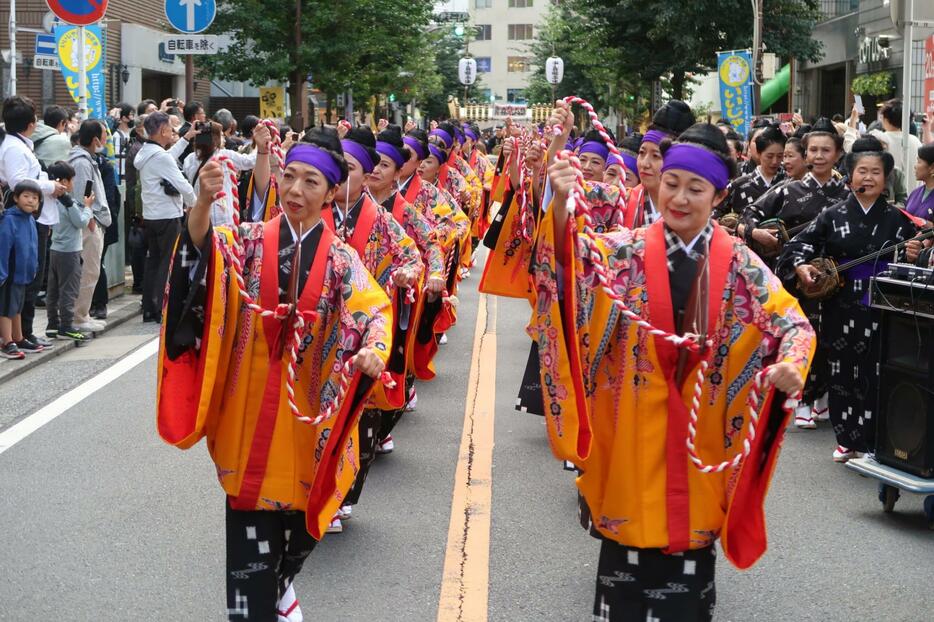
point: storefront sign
(272, 102)
(874, 50)
(734, 70)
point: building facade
(504, 31)
(861, 40)
(136, 64)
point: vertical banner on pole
(66, 41)
(929, 76)
(735, 72)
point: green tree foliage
(649, 39)
(372, 46)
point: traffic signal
(392, 98)
(459, 30)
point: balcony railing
(835, 8)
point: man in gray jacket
(92, 138)
(164, 191)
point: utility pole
(82, 76)
(906, 78)
(298, 78)
(12, 47)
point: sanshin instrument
(829, 279)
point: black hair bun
(674, 117)
(824, 125)
(708, 136)
(869, 146)
(802, 131)
(631, 144)
(393, 135)
(363, 135)
(328, 139)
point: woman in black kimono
(854, 228)
(797, 203)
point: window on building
(483, 4)
(520, 32)
(484, 32)
(519, 4)
(517, 64)
(515, 96)
(484, 64)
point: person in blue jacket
(19, 261)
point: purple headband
(631, 164)
(614, 159)
(469, 132)
(391, 151)
(416, 146)
(459, 135)
(318, 158)
(360, 154)
(654, 136)
(573, 144)
(596, 148)
(435, 151)
(447, 138)
(697, 160)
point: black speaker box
(905, 423)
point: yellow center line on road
(465, 583)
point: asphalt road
(100, 521)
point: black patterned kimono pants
(265, 551)
(647, 585)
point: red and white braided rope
(235, 258)
(275, 145)
(688, 341)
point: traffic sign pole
(13, 47)
(82, 77)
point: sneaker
(12, 352)
(42, 341)
(28, 347)
(51, 331)
(842, 454)
(345, 513)
(803, 418)
(75, 335)
(413, 402)
(335, 526)
(99, 313)
(287, 608)
(386, 446)
(92, 326)
(443, 340)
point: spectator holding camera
(164, 192)
(208, 142)
(92, 139)
(65, 256)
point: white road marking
(49, 412)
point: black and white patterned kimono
(849, 338)
(746, 189)
(798, 202)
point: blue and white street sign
(190, 16)
(45, 45)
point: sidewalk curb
(119, 317)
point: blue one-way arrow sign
(190, 16)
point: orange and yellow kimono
(384, 247)
(223, 374)
(474, 189)
(613, 405)
(484, 169)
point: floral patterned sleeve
(419, 229)
(404, 250)
(761, 300)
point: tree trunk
(677, 85)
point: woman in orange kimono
(617, 398)
(282, 448)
